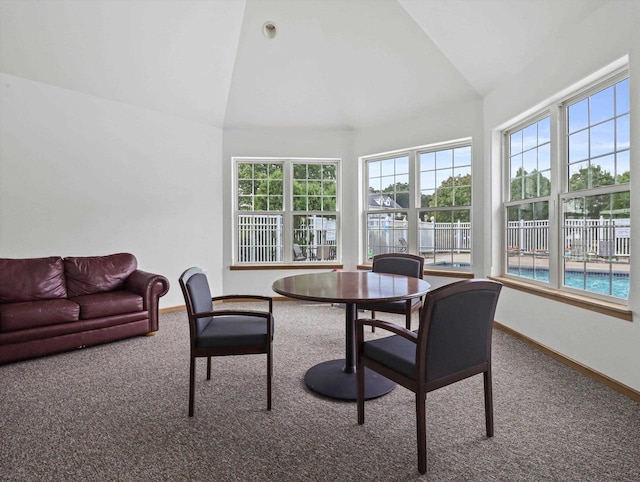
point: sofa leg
(151, 333)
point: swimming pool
(595, 281)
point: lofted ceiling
(342, 64)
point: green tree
(590, 177)
(529, 185)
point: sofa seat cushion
(108, 304)
(31, 279)
(32, 314)
(97, 274)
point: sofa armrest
(151, 287)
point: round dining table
(337, 378)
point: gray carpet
(119, 412)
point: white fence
(390, 236)
(582, 237)
(261, 239)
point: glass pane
(427, 161)
(462, 175)
(427, 198)
(260, 171)
(516, 188)
(462, 156)
(375, 185)
(443, 177)
(444, 159)
(516, 166)
(622, 97)
(530, 161)
(622, 167)
(245, 171)
(578, 176)
(275, 203)
(245, 203)
(330, 203)
(444, 196)
(374, 168)
(601, 106)
(329, 188)
(529, 137)
(622, 132)
(386, 233)
(544, 157)
(314, 171)
(596, 234)
(607, 168)
(387, 167)
(260, 238)
(428, 180)
(544, 131)
(275, 187)
(387, 183)
(245, 187)
(463, 196)
(578, 115)
(602, 139)
(299, 203)
(579, 146)
(516, 143)
(544, 183)
(314, 203)
(402, 165)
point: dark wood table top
(350, 287)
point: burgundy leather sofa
(50, 305)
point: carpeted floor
(119, 412)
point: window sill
(599, 306)
(248, 267)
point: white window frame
(287, 212)
(414, 209)
(557, 112)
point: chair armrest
(245, 297)
(386, 325)
(151, 287)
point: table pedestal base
(329, 379)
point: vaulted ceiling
(342, 64)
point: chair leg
(421, 426)
(408, 320)
(269, 377)
(208, 368)
(373, 315)
(488, 402)
(192, 383)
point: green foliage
(530, 185)
(590, 177)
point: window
(286, 211)
(591, 227)
(419, 201)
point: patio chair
(298, 255)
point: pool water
(593, 281)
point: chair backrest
(399, 263)
(456, 327)
(197, 297)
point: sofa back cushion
(96, 274)
(31, 279)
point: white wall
(605, 344)
(290, 143)
(82, 176)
